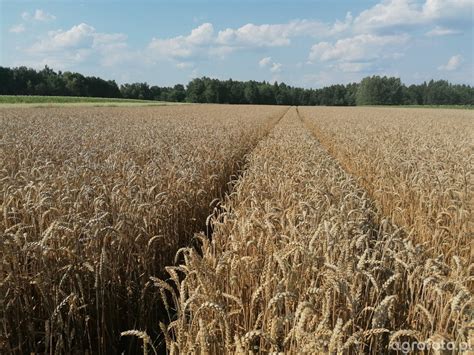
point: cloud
(352, 67)
(220, 51)
(108, 41)
(183, 46)
(395, 14)
(26, 16)
(264, 62)
(388, 13)
(437, 9)
(365, 47)
(185, 65)
(80, 42)
(81, 35)
(453, 63)
(112, 48)
(276, 35)
(17, 28)
(41, 15)
(251, 35)
(276, 68)
(267, 62)
(442, 31)
(38, 15)
(204, 41)
(341, 26)
(354, 44)
(201, 35)
(381, 31)
(61, 61)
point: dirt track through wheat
(301, 261)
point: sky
(300, 42)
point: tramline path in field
(302, 261)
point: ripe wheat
(94, 202)
(349, 230)
(301, 260)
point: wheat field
(301, 260)
(416, 164)
(212, 229)
(97, 201)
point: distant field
(68, 100)
(47, 101)
(461, 107)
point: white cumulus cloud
(41, 15)
(17, 28)
(201, 35)
(276, 67)
(441, 31)
(277, 35)
(204, 41)
(80, 42)
(81, 35)
(453, 63)
(437, 9)
(400, 13)
(38, 15)
(254, 36)
(388, 13)
(264, 62)
(267, 62)
(183, 46)
(358, 48)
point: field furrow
(300, 261)
(94, 202)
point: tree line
(374, 90)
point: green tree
(195, 91)
(373, 90)
(378, 90)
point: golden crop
(301, 261)
(347, 231)
(96, 201)
(416, 164)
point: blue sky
(303, 43)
